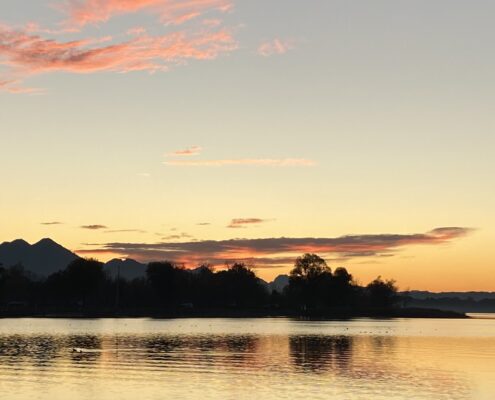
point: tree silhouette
(309, 267)
(85, 281)
(203, 285)
(164, 279)
(17, 285)
(238, 286)
(308, 281)
(343, 291)
(171, 289)
(382, 294)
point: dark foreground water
(247, 359)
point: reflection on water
(320, 353)
(244, 359)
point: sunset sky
(218, 130)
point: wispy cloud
(196, 150)
(136, 31)
(275, 47)
(277, 252)
(52, 223)
(244, 222)
(182, 235)
(171, 237)
(267, 162)
(34, 27)
(83, 12)
(14, 86)
(212, 22)
(125, 231)
(28, 54)
(94, 227)
(190, 151)
(31, 50)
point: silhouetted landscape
(35, 282)
(247, 200)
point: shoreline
(247, 313)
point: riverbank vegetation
(84, 289)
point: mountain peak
(18, 243)
(46, 242)
(42, 258)
(126, 268)
(122, 261)
(279, 283)
(49, 245)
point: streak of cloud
(126, 231)
(151, 53)
(280, 252)
(275, 47)
(190, 151)
(27, 54)
(83, 12)
(14, 86)
(171, 237)
(94, 227)
(243, 222)
(264, 162)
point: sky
(223, 130)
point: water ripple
(275, 359)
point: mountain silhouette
(46, 257)
(42, 258)
(279, 283)
(424, 295)
(129, 269)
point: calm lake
(247, 359)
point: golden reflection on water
(80, 360)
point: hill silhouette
(47, 279)
(279, 283)
(46, 258)
(41, 259)
(127, 269)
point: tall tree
(308, 280)
(85, 281)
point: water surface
(247, 359)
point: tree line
(85, 287)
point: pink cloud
(136, 31)
(275, 46)
(8, 85)
(13, 86)
(212, 22)
(190, 151)
(83, 12)
(34, 27)
(151, 52)
(27, 54)
(268, 162)
(276, 252)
